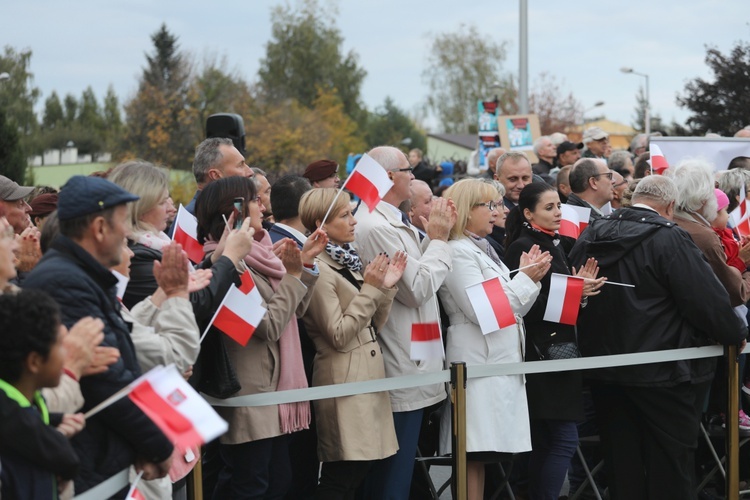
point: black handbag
(562, 350)
(213, 373)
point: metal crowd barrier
(458, 374)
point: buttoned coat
(342, 322)
(257, 364)
(496, 407)
(429, 261)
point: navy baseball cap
(87, 195)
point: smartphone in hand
(240, 211)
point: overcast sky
(584, 43)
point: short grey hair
(617, 160)
(512, 157)
(389, 157)
(639, 141)
(497, 185)
(207, 155)
(734, 183)
(694, 179)
(558, 138)
(538, 143)
(580, 173)
(658, 189)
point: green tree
(160, 120)
(71, 109)
(17, 94)
(720, 106)
(462, 67)
(53, 112)
(388, 124)
(12, 157)
(218, 90)
(305, 54)
(112, 119)
(89, 115)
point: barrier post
(458, 396)
(195, 480)
(733, 425)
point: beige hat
(11, 191)
(594, 134)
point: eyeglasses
(408, 169)
(608, 175)
(618, 184)
(490, 204)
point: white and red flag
(658, 160)
(739, 219)
(369, 181)
(186, 234)
(248, 287)
(238, 315)
(574, 220)
(426, 342)
(176, 408)
(491, 305)
(564, 299)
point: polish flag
(739, 219)
(176, 408)
(238, 315)
(658, 161)
(574, 220)
(369, 181)
(134, 494)
(564, 299)
(426, 342)
(248, 287)
(606, 209)
(491, 305)
(186, 234)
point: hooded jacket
(677, 300)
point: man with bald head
(386, 229)
(492, 157)
(591, 186)
(421, 204)
(513, 172)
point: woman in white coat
(496, 407)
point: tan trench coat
(338, 322)
(257, 364)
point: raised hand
(376, 270)
(199, 279)
(290, 255)
(592, 285)
(103, 357)
(28, 252)
(71, 424)
(315, 244)
(172, 272)
(442, 218)
(396, 269)
(239, 241)
(80, 343)
(542, 261)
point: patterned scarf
(345, 255)
(484, 246)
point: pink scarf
(292, 416)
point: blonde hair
(466, 195)
(314, 204)
(143, 179)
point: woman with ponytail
(555, 401)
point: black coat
(677, 300)
(551, 395)
(113, 438)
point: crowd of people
(94, 292)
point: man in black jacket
(649, 414)
(75, 272)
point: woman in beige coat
(349, 304)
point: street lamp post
(596, 105)
(647, 112)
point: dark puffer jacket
(677, 301)
(113, 438)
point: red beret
(319, 170)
